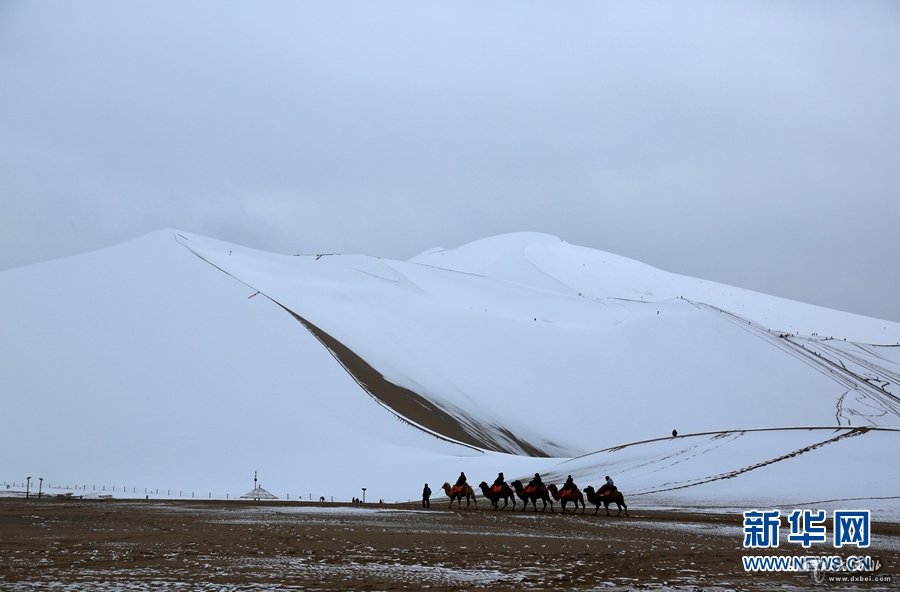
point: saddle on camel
(606, 495)
(532, 493)
(569, 493)
(497, 492)
(458, 492)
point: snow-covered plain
(179, 362)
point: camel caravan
(536, 490)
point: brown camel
(497, 492)
(567, 495)
(458, 492)
(606, 497)
(531, 494)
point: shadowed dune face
(418, 410)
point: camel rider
(608, 486)
(536, 482)
(499, 482)
(569, 484)
(461, 482)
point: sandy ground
(174, 545)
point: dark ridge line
(394, 397)
(732, 474)
(678, 456)
(733, 431)
(344, 356)
(466, 441)
(845, 499)
(469, 273)
(409, 405)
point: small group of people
(570, 483)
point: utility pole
(27, 487)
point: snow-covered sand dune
(180, 360)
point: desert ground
(66, 544)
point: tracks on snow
(850, 364)
(672, 486)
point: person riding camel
(499, 482)
(536, 482)
(609, 486)
(461, 482)
(569, 484)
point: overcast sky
(751, 143)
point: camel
(606, 497)
(458, 492)
(504, 493)
(532, 494)
(567, 495)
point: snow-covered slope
(178, 359)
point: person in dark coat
(426, 497)
(536, 482)
(569, 484)
(674, 433)
(462, 479)
(499, 481)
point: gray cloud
(752, 143)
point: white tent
(258, 494)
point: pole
(40, 486)
(27, 487)
(364, 494)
